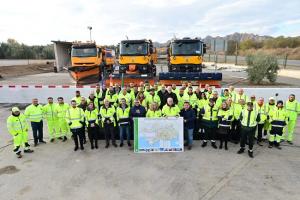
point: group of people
(229, 116)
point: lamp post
(90, 29)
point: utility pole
(90, 29)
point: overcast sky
(40, 21)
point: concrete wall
(24, 94)
(14, 62)
(62, 55)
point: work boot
(185, 144)
(28, 151)
(76, 148)
(270, 145)
(129, 144)
(259, 143)
(226, 148)
(250, 154)
(290, 142)
(92, 146)
(242, 150)
(277, 145)
(43, 142)
(82, 148)
(121, 144)
(35, 144)
(213, 144)
(204, 144)
(189, 147)
(115, 145)
(52, 140)
(60, 138)
(107, 145)
(19, 155)
(64, 139)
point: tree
(261, 66)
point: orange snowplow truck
(90, 62)
(137, 57)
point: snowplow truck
(137, 57)
(185, 55)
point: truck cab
(136, 57)
(186, 55)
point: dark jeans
(235, 130)
(247, 133)
(124, 129)
(109, 133)
(259, 132)
(37, 130)
(78, 135)
(93, 135)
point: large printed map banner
(158, 135)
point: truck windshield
(84, 52)
(186, 48)
(133, 49)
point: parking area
(118, 173)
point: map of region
(158, 134)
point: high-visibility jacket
(236, 97)
(270, 108)
(75, 116)
(292, 109)
(127, 97)
(278, 117)
(249, 120)
(77, 99)
(225, 117)
(153, 114)
(152, 98)
(192, 98)
(34, 113)
(210, 113)
(176, 91)
(208, 95)
(95, 101)
(17, 124)
(180, 98)
(50, 112)
(123, 115)
(112, 98)
(91, 116)
(108, 113)
(61, 110)
(170, 111)
(237, 110)
(263, 111)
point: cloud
(39, 22)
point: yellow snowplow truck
(137, 57)
(90, 62)
(186, 55)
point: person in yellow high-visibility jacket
(77, 97)
(249, 118)
(91, 119)
(107, 113)
(63, 129)
(17, 126)
(170, 109)
(75, 119)
(34, 114)
(123, 119)
(278, 120)
(50, 114)
(153, 111)
(292, 107)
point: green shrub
(261, 66)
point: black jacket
(189, 116)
